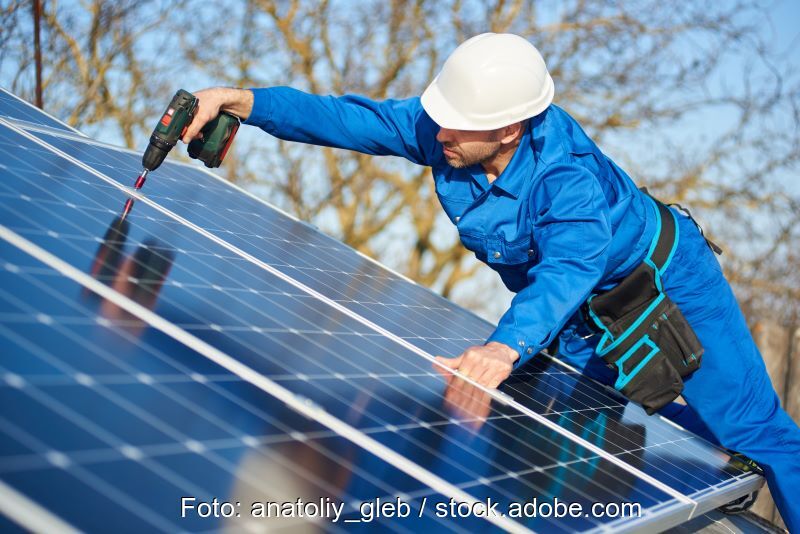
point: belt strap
(666, 239)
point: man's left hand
(487, 365)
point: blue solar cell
(9, 527)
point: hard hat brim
(446, 116)
(439, 109)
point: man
(538, 201)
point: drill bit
(140, 180)
(138, 185)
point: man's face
(463, 148)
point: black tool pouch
(645, 336)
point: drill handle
(215, 140)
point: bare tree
(104, 62)
(633, 73)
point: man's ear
(512, 132)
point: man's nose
(444, 135)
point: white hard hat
(489, 81)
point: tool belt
(645, 337)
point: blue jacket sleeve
(390, 127)
(572, 230)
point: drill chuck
(155, 153)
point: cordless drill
(210, 148)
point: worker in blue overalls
(537, 201)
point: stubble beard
(477, 156)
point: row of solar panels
(210, 347)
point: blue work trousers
(730, 399)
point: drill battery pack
(215, 140)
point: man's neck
(496, 165)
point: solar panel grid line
(59, 459)
(29, 514)
(617, 402)
(8, 94)
(688, 440)
(390, 335)
(609, 389)
(43, 129)
(311, 411)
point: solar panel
(25, 114)
(300, 319)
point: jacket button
(457, 219)
(496, 255)
(530, 252)
(521, 343)
(530, 350)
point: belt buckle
(586, 329)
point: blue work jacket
(560, 221)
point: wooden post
(773, 342)
(792, 395)
(37, 51)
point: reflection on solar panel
(212, 347)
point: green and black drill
(210, 148)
